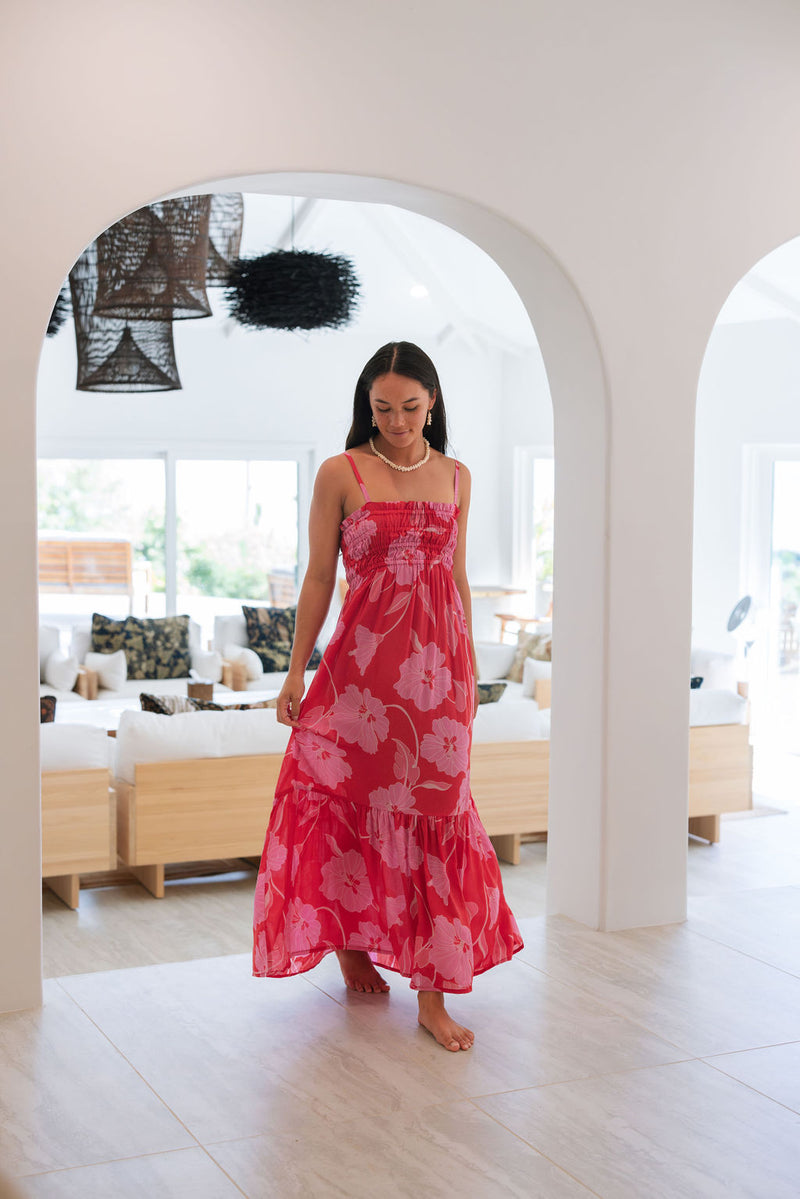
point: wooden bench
(82, 567)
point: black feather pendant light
(293, 289)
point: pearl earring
(429, 421)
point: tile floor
(651, 1063)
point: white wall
(595, 150)
(749, 393)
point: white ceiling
(460, 290)
(768, 292)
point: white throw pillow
(112, 669)
(48, 644)
(61, 671)
(532, 671)
(208, 664)
(494, 659)
(248, 658)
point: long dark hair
(399, 358)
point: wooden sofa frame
(210, 808)
(79, 829)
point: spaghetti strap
(455, 491)
(357, 475)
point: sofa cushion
(111, 669)
(530, 645)
(270, 632)
(532, 670)
(171, 705)
(61, 671)
(494, 659)
(49, 639)
(248, 658)
(74, 747)
(155, 647)
(490, 693)
(146, 737)
(47, 709)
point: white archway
(580, 884)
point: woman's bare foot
(434, 1017)
(359, 973)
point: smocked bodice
(404, 538)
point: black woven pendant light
(61, 310)
(293, 289)
(224, 236)
(152, 264)
(113, 355)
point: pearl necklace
(394, 465)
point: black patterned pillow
(165, 705)
(168, 705)
(489, 693)
(47, 709)
(270, 632)
(155, 647)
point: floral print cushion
(168, 705)
(489, 693)
(47, 709)
(270, 632)
(155, 647)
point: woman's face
(400, 406)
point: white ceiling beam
(770, 291)
(423, 267)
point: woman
(374, 847)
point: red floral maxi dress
(374, 842)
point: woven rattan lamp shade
(224, 236)
(151, 265)
(113, 355)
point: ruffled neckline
(436, 505)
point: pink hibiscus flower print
(405, 559)
(451, 950)
(395, 798)
(367, 643)
(424, 678)
(438, 875)
(398, 849)
(302, 926)
(360, 533)
(320, 759)
(344, 880)
(447, 746)
(276, 854)
(369, 936)
(464, 796)
(359, 716)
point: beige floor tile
(693, 992)
(436, 1152)
(764, 924)
(752, 852)
(118, 927)
(774, 1072)
(683, 1131)
(185, 1174)
(235, 1056)
(530, 1030)
(67, 1097)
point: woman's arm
(325, 516)
(460, 566)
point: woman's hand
(289, 699)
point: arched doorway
(578, 882)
